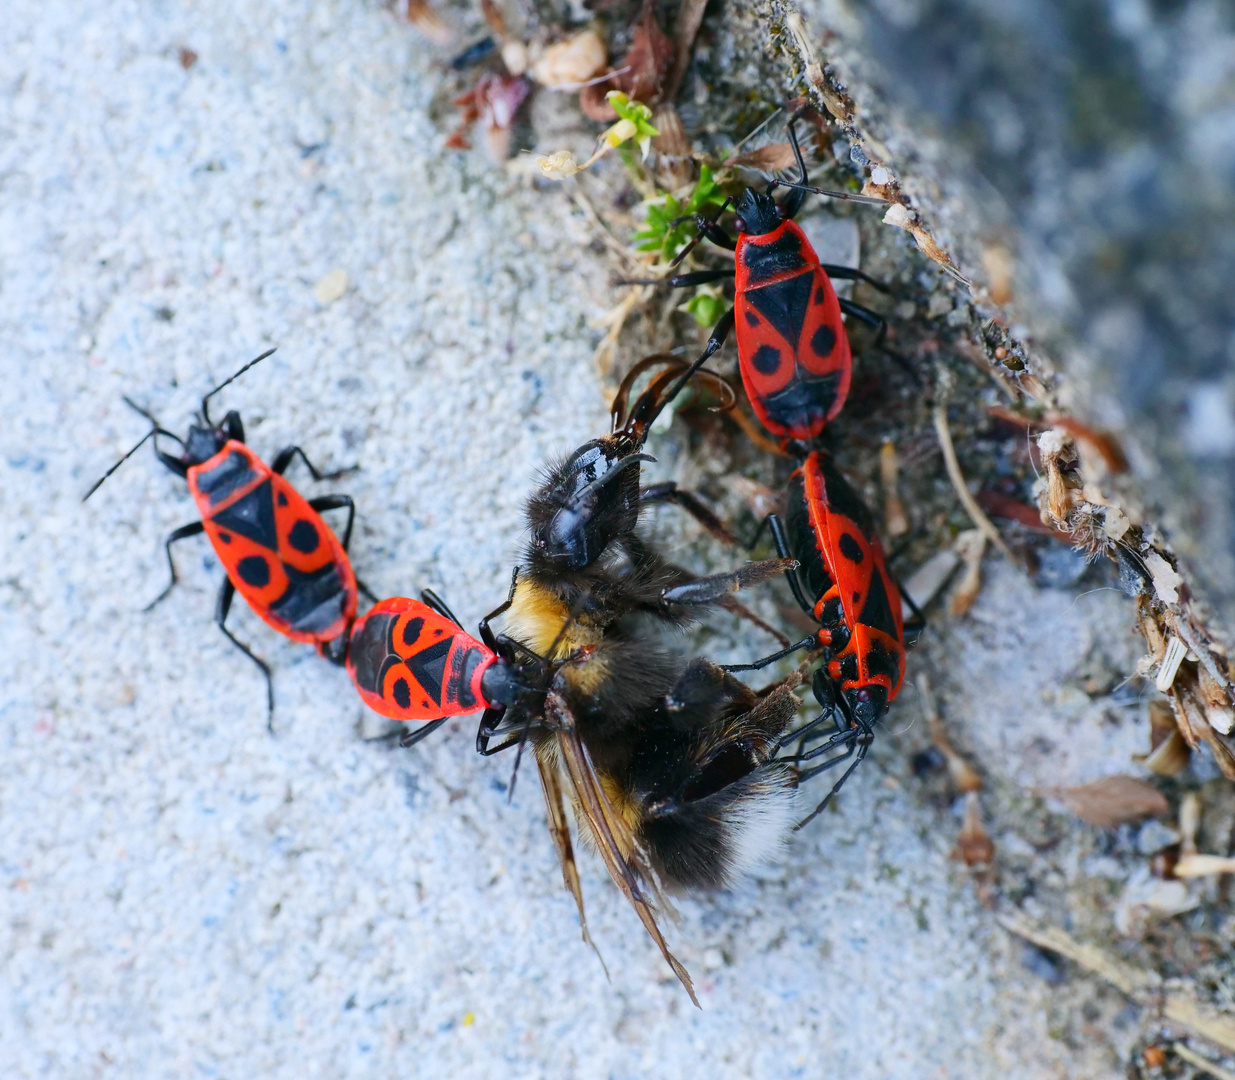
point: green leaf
(707, 308)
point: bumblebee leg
(708, 590)
(284, 458)
(194, 528)
(736, 607)
(226, 594)
(692, 504)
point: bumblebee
(669, 766)
(586, 563)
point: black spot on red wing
(877, 611)
(851, 549)
(225, 538)
(784, 305)
(254, 570)
(402, 693)
(752, 319)
(437, 631)
(429, 668)
(312, 602)
(766, 360)
(856, 597)
(252, 515)
(823, 341)
(819, 295)
(282, 499)
(229, 474)
(304, 536)
(411, 630)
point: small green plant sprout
(706, 306)
(634, 125)
(669, 222)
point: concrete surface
(180, 893)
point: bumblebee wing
(559, 829)
(612, 836)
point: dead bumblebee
(671, 773)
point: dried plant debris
(1146, 987)
(963, 776)
(974, 846)
(1113, 801)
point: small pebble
(1154, 837)
(330, 287)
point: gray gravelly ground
(181, 894)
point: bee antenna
(232, 379)
(99, 482)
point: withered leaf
(774, 157)
(1113, 800)
(641, 73)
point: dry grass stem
(895, 519)
(971, 547)
(970, 504)
(1141, 985)
(1185, 1053)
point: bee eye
(863, 694)
(740, 223)
(780, 211)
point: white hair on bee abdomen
(759, 823)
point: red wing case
(792, 346)
(410, 663)
(279, 553)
